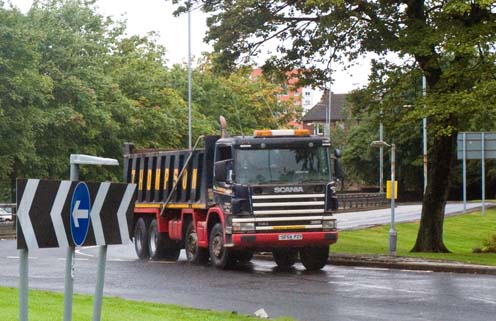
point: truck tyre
(160, 246)
(244, 257)
(194, 253)
(314, 258)
(141, 239)
(285, 258)
(222, 258)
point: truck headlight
(243, 227)
(329, 224)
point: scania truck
(272, 192)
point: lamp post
(392, 231)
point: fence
(361, 201)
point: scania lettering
(273, 191)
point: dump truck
(270, 192)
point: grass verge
(462, 234)
(48, 306)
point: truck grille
(288, 212)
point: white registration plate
(290, 237)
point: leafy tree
(451, 42)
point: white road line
(84, 254)
(482, 300)
(17, 258)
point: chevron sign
(49, 213)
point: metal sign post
(464, 170)
(68, 206)
(77, 160)
(483, 170)
(476, 145)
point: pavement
(409, 263)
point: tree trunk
(430, 234)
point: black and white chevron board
(50, 212)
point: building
(300, 96)
(315, 118)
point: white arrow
(77, 214)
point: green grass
(48, 306)
(461, 234)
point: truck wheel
(160, 246)
(285, 258)
(222, 258)
(194, 253)
(141, 239)
(244, 256)
(314, 258)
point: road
(336, 293)
(403, 213)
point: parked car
(5, 216)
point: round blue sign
(80, 213)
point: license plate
(290, 237)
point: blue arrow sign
(80, 213)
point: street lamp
(392, 231)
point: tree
(451, 42)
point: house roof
(318, 112)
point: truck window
(223, 153)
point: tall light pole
(189, 74)
(424, 134)
(381, 157)
(392, 232)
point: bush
(489, 245)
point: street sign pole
(483, 169)
(23, 285)
(464, 170)
(100, 280)
(69, 261)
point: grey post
(381, 158)
(100, 280)
(392, 238)
(69, 261)
(23, 285)
(464, 172)
(189, 75)
(483, 170)
(76, 160)
(424, 135)
(392, 231)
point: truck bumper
(270, 240)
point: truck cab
(276, 191)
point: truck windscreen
(292, 165)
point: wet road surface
(336, 293)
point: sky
(156, 15)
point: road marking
(16, 257)
(350, 285)
(84, 254)
(76, 259)
(482, 300)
